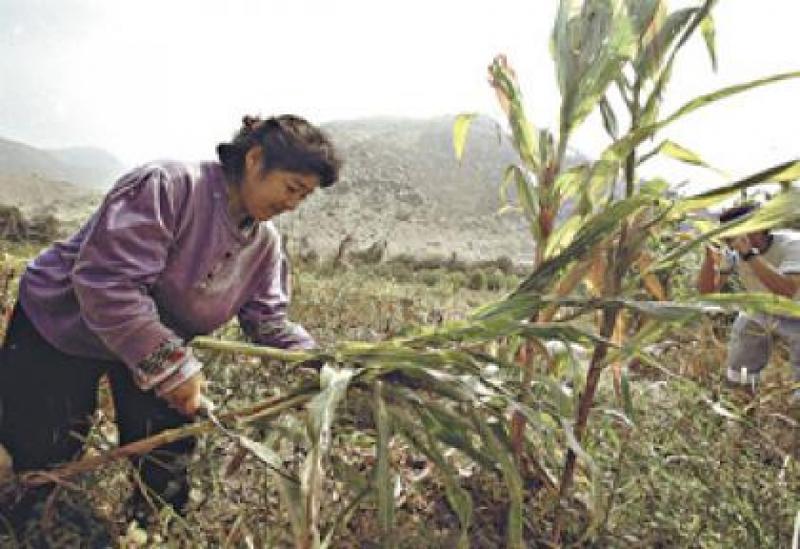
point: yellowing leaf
(460, 132)
(709, 33)
(651, 282)
(682, 154)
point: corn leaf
(498, 447)
(383, 477)
(448, 428)
(321, 411)
(523, 302)
(609, 118)
(688, 25)
(754, 303)
(784, 172)
(621, 148)
(460, 132)
(562, 236)
(658, 40)
(781, 211)
(678, 152)
(459, 499)
(627, 400)
(708, 30)
(527, 196)
(524, 133)
(645, 16)
(590, 46)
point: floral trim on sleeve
(166, 367)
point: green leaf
(524, 301)
(265, 455)
(524, 134)
(609, 118)
(781, 211)
(658, 41)
(680, 153)
(562, 236)
(450, 429)
(784, 172)
(627, 401)
(770, 304)
(644, 16)
(590, 44)
(458, 498)
(383, 477)
(498, 447)
(709, 32)
(621, 148)
(460, 132)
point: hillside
(402, 183)
(81, 166)
(65, 182)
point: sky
(149, 79)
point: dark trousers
(47, 399)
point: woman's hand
(186, 397)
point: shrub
(476, 280)
(430, 278)
(494, 280)
(505, 264)
(401, 272)
(457, 279)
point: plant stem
(584, 406)
(267, 408)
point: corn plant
(602, 47)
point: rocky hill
(402, 184)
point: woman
(174, 251)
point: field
(695, 464)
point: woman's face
(265, 195)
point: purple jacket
(160, 260)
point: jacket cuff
(186, 370)
(160, 365)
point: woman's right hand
(186, 398)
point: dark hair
(289, 143)
(736, 212)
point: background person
(766, 262)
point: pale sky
(151, 79)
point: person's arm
(777, 282)
(264, 317)
(710, 279)
(122, 256)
